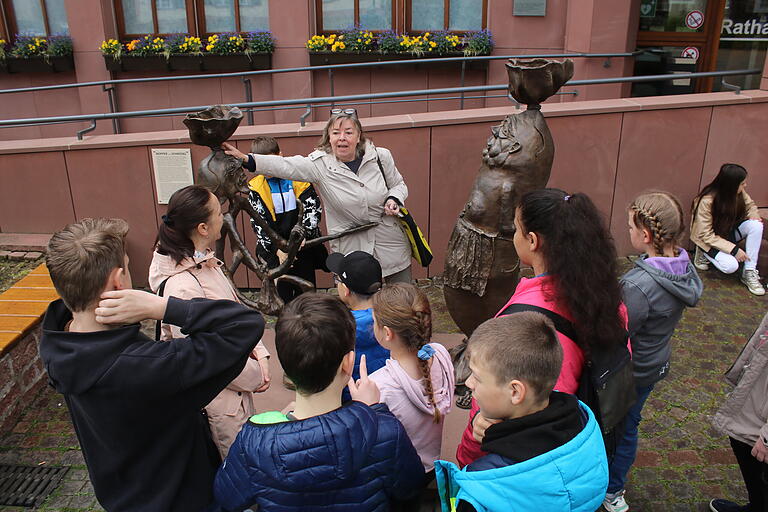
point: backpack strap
(160, 291)
(562, 324)
(381, 168)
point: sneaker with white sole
(751, 279)
(699, 260)
(614, 502)
(720, 505)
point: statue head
(223, 175)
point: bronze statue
(225, 177)
(482, 267)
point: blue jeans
(627, 447)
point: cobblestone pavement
(682, 461)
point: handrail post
(86, 130)
(303, 118)
(248, 96)
(731, 87)
(111, 98)
(463, 69)
(330, 78)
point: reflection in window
(254, 15)
(670, 15)
(466, 15)
(376, 14)
(338, 14)
(57, 17)
(29, 17)
(427, 14)
(171, 16)
(219, 16)
(138, 16)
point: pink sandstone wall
(596, 26)
(609, 149)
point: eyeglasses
(352, 112)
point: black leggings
(755, 475)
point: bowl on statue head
(531, 81)
(214, 125)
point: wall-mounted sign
(173, 170)
(530, 8)
(743, 29)
(690, 52)
(694, 19)
(648, 8)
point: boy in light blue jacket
(545, 450)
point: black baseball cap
(360, 271)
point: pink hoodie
(408, 401)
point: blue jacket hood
(570, 478)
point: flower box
(325, 58)
(190, 62)
(38, 64)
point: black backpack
(607, 383)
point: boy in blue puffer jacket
(321, 456)
(545, 450)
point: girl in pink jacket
(185, 267)
(416, 383)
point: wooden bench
(21, 372)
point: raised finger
(363, 369)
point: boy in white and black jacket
(136, 404)
(276, 199)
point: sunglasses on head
(346, 111)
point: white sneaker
(699, 260)
(614, 502)
(751, 280)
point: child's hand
(233, 151)
(479, 425)
(364, 390)
(129, 307)
(741, 256)
(264, 365)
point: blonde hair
(405, 309)
(661, 214)
(81, 256)
(325, 138)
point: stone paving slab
(682, 461)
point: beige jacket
(203, 278)
(702, 233)
(352, 199)
(744, 415)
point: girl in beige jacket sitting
(184, 265)
(723, 215)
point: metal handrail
(319, 68)
(317, 101)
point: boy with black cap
(358, 276)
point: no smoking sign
(690, 52)
(694, 19)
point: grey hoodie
(655, 292)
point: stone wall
(21, 378)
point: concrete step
(24, 242)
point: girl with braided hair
(661, 285)
(417, 381)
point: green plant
(111, 47)
(478, 43)
(359, 41)
(3, 43)
(145, 46)
(389, 42)
(260, 42)
(226, 43)
(29, 46)
(59, 46)
(183, 43)
(445, 43)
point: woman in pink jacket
(566, 241)
(184, 266)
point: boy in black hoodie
(136, 403)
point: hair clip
(167, 221)
(567, 197)
(425, 352)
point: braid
(425, 372)
(661, 214)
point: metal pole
(463, 69)
(86, 130)
(248, 97)
(330, 78)
(111, 97)
(303, 118)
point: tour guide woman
(358, 184)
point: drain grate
(27, 486)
